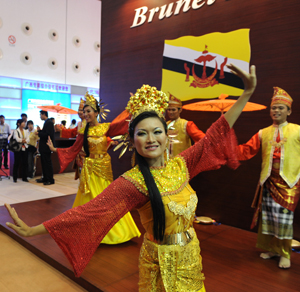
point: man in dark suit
(47, 131)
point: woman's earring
(133, 159)
(166, 154)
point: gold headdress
(81, 104)
(147, 98)
(92, 102)
(281, 96)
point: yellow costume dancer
(170, 256)
(172, 262)
(96, 173)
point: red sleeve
(119, 126)
(249, 149)
(79, 231)
(109, 142)
(67, 155)
(68, 133)
(194, 132)
(217, 148)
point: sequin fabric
(187, 211)
(170, 179)
(170, 268)
(101, 165)
(67, 155)
(79, 231)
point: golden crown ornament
(92, 102)
(146, 98)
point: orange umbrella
(221, 105)
(57, 109)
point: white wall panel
(83, 22)
(42, 16)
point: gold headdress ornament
(281, 96)
(92, 102)
(81, 104)
(146, 98)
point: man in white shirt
(4, 133)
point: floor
(34, 274)
(231, 261)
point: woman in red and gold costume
(278, 191)
(170, 255)
(96, 173)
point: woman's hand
(50, 144)
(82, 154)
(249, 79)
(20, 227)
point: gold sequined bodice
(178, 197)
(170, 179)
(96, 138)
(99, 161)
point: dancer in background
(96, 173)
(170, 255)
(183, 130)
(278, 191)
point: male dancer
(279, 187)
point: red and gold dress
(175, 263)
(96, 175)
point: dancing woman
(170, 255)
(96, 173)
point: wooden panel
(132, 57)
(230, 260)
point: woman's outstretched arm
(249, 80)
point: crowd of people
(158, 185)
(31, 141)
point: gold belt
(92, 155)
(181, 238)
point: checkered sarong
(276, 220)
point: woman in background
(21, 156)
(96, 173)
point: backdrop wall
(131, 57)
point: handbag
(14, 145)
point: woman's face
(150, 140)
(89, 114)
(80, 114)
(22, 125)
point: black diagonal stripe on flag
(177, 65)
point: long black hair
(19, 122)
(158, 209)
(85, 140)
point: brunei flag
(195, 67)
